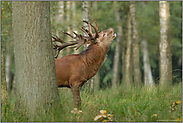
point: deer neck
(94, 56)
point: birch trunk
(85, 11)
(165, 47)
(69, 30)
(116, 64)
(148, 79)
(36, 83)
(74, 22)
(59, 20)
(136, 64)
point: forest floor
(117, 105)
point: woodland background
(141, 27)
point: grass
(125, 104)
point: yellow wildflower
(178, 102)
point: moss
(4, 92)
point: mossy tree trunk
(127, 75)
(4, 92)
(135, 44)
(36, 83)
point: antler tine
(96, 31)
(95, 23)
(57, 39)
(87, 32)
(57, 53)
(90, 29)
(64, 44)
(69, 35)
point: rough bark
(4, 92)
(148, 78)
(116, 64)
(36, 83)
(135, 44)
(165, 47)
(127, 81)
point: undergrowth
(124, 104)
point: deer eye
(103, 35)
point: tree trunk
(116, 70)
(136, 64)
(69, 30)
(165, 47)
(97, 76)
(74, 22)
(148, 78)
(97, 81)
(127, 81)
(124, 34)
(4, 92)
(36, 83)
(59, 20)
(85, 11)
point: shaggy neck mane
(93, 55)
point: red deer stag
(74, 70)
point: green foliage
(6, 23)
(176, 28)
(125, 104)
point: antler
(79, 39)
(90, 32)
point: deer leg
(76, 96)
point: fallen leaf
(154, 115)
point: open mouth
(114, 35)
